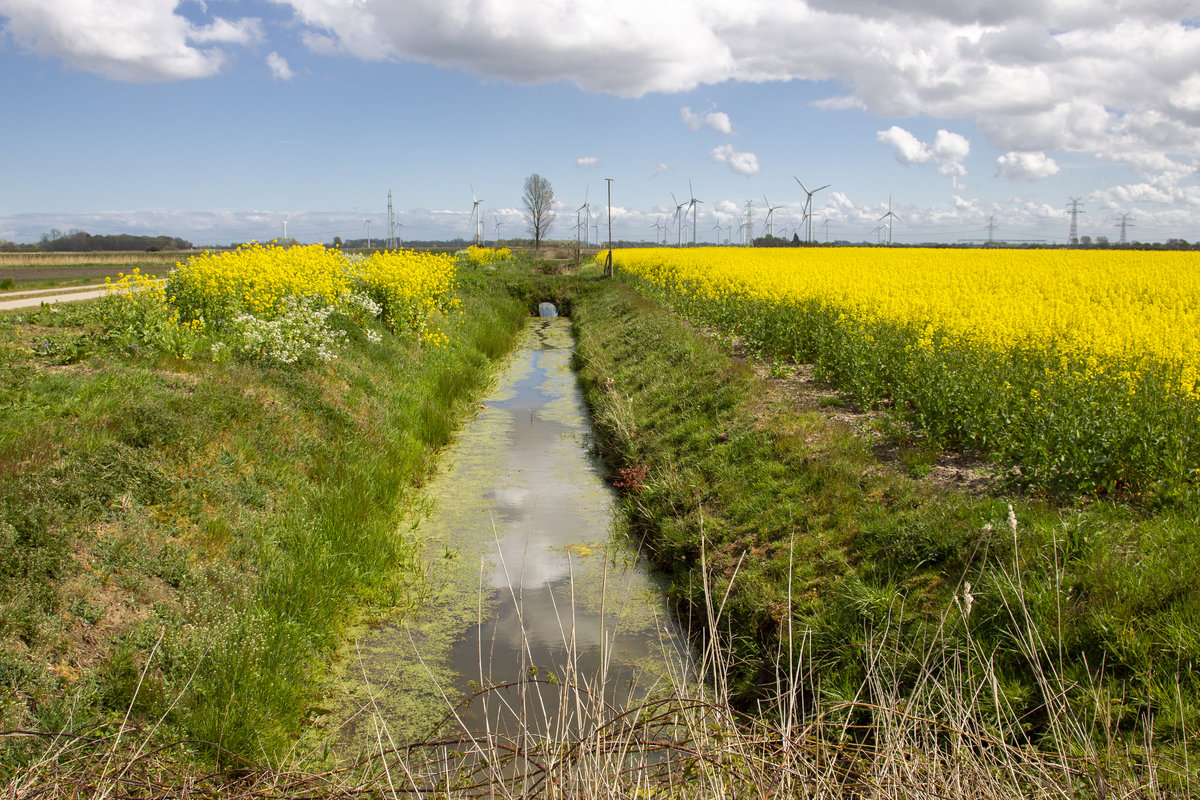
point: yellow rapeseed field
(1079, 368)
(273, 303)
(1126, 304)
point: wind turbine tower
(889, 216)
(694, 202)
(769, 225)
(678, 219)
(808, 206)
(748, 229)
(660, 235)
(586, 208)
(476, 217)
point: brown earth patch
(37, 274)
(964, 471)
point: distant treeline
(83, 242)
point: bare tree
(539, 207)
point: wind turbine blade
(802, 185)
(826, 186)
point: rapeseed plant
(1078, 370)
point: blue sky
(216, 121)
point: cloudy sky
(216, 120)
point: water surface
(528, 576)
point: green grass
(802, 530)
(1062, 423)
(189, 542)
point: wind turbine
(769, 225)
(693, 203)
(498, 224)
(889, 217)
(659, 232)
(717, 228)
(476, 219)
(678, 219)
(808, 205)
(587, 209)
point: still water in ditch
(526, 570)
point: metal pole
(609, 262)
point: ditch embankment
(1074, 625)
(185, 546)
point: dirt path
(35, 297)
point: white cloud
(727, 207)
(660, 168)
(1026, 166)
(719, 121)
(841, 103)
(1071, 76)
(1087, 76)
(587, 161)
(739, 162)
(909, 149)
(135, 40)
(221, 31)
(947, 151)
(279, 67)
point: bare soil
(37, 274)
(964, 471)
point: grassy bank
(185, 542)
(819, 554)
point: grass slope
(820, 554)
(187, 542)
